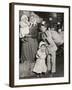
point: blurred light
(50, 19)
(54, 15)
(58, 23)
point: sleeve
(51, 41)
(21, 34)
(43, 36)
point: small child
(24, 26)
(51, 47)
(40, 65)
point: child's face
(43, 28)
(43, 48)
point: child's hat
(43, 23)
(42, 43)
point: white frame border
(16, 45)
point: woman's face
(43, 48)
(32, 19)
(43, 28)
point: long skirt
(28, 53)
(40, 66)
(29, 49)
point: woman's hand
(22, 39)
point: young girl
(40, 65)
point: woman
(29, 46)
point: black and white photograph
(39, 44)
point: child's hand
(37, 56)
(22, 40)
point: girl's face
(43, 48)
(43, 28)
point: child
(47, 37)
(40, 65)
(24, 26)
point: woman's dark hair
(43, 23)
